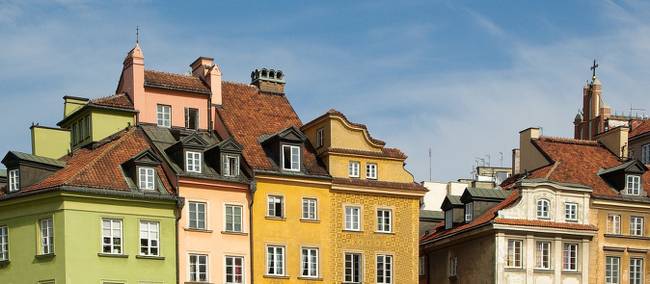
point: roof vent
(268, 80)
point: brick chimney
(268, 80)
(615, 140)
(132, 79)
(204, 67)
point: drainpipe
(251, 187)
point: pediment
(292, 134)
(146, 157)
(194, 140)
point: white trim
(160, 111)
(359, 216)
(275, 253)
(207, 267)
(196, 165)
(148, 172)
(390, 220)
(149, 239)
(13, 180)
(302, 213)
(354, 169)
(205, 215)
(300, 269)
(225, 217)
(112, 221)
(291, 161)
(243, 268)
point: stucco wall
(106, 123)
(178, 101)
(49, 142)
(475, 262)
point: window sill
(234, 233)
(352, 231)
(453, 277)
(45, 256)
(543, 270)
(195, 282)
(272, 218)
(627, 237)
(384, 233)
(198, 230)
(514, 269)
(4, 263)
(309, 220)
(571, 272)
(153, 257)
(310, 278)
(276, 276)
(112, 255)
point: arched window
(543, 208)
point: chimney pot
(268, 80)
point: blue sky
(461, 77)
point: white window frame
(449, 219)
(384, 264)
(514, 253)
(46, 228)
(231, 222)
(453, 266)
(310, 258)
(164, 115)
(13, 179)
(196, 276)
(543, 208)
(197, 215)
(320, 140)
(571, 211)
(116, 231)
(150, 234)
(233, 266)
(4, 243)
(227, 163)
(614, 224)
(637, 226)
(543, 255)
(271, 208)
(371, 170)
(187, 117)
(633, 184)
(193, 161)
(636, 270)
(645, 153)
(353, 169)
(612, 269)
(146, 178)
(570, 256)
(294, 160)
(352, 218)
(309, 208)
(275, 257)
(353, 277)
(384, 220)
(469, 208)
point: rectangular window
(192, 162)
(449, 219)
(514, 253)
(291, 158)
(234, 269)
(423, 266)
(468, 211)
(352, 273)
(14, 180)
(146, 178)
(453, 266)
(570, 257)
(275, 260)
(198, 268)
(149, 238)
(164, 114)
(309, 208)
(633, 184)
(543, 208)
(636, 270)
(309, 262)
(612, 269)
(191, 118)
(371, 171)
(645, 153)
(4, 243)
(353, 169)
(570, 211)
(231, 165)
(197, 215)
(384, 220)
(384, 269)
(112, 236)
(543, 255)
(47, 236)
(636, 226)
(353, 218)
(614, 224)
(320, 140)
(275, 206)
(234, 218)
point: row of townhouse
(574, 212)
(191, 179)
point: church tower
(591, 120)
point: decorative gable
(193, 140)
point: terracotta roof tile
(384, 184)
(249, 115)
(179, 82)
(639, 127)
(101, 166)
(121, 100)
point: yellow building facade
(374, 201)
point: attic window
(146, 178)
(449, 220)
(191, 118)
(468, 211)
(633, 184)
(231, 165)
(543, 208)
(291, 158)
(14, 180)
(319, 137)
(192, 162)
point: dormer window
(191, 118)
(543, 208)
(231, 165)
(449, 219)
(14, 180)
(468, 211)
(146, 178)
(320, 140)
(192, 162)
(633, 184)
(291, 158)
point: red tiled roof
(249, 115)
(546, 224)
(101, 167)
(639, 127)
(121, 100)
(189, 83)
(386, 152)
(412, 186)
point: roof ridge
(565, 140)
(552, 169)
(171, 73)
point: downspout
(252, 187)
(210, 113)
(179, 214)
